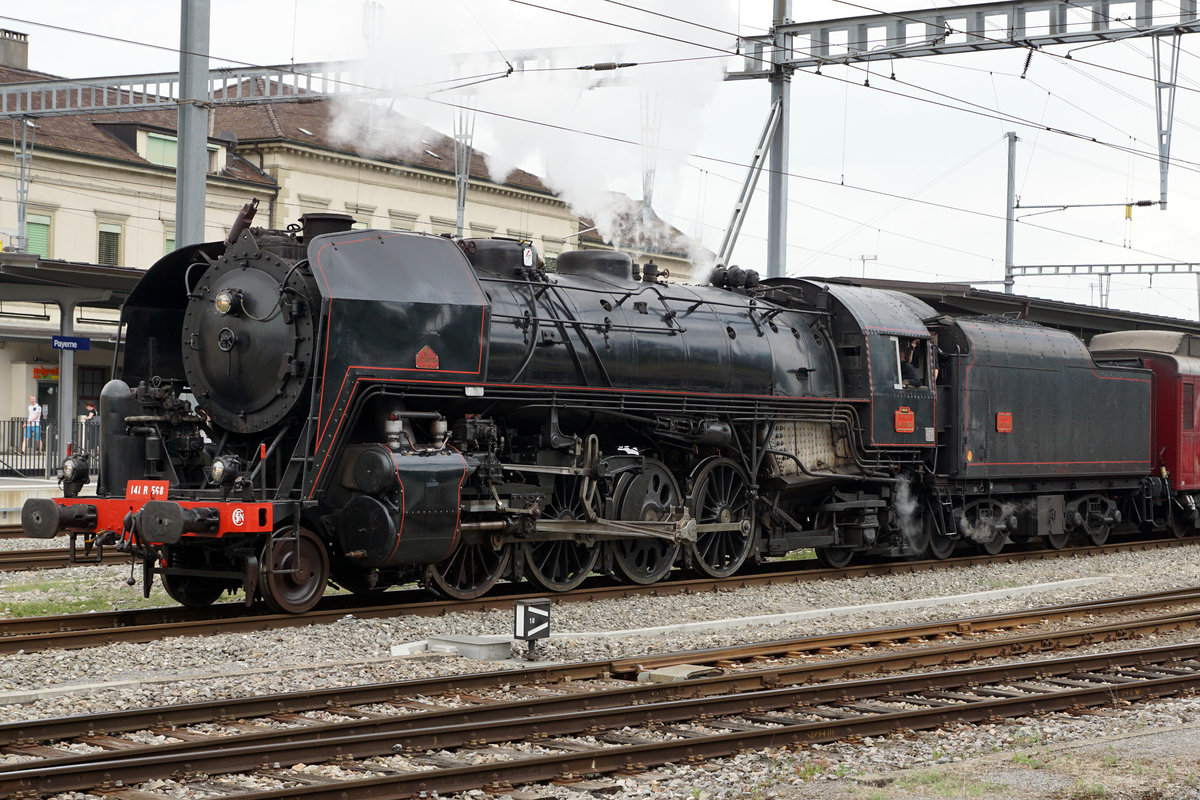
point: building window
(162, 150)
(109, 251)
(37, 235)
(169, 243)
(402, 220)
(442, 225)
(91, 381)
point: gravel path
(1031, 758)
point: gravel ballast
(1021, 757)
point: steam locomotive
(371, 408)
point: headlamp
(223, 302)
(223, 469)
(74, 474)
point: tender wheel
(469, 572)
(190, 590)
(294, 572)
(938, 544)
(720, 493)
(646, 497)
(1180, 528)
(918, 539)
(1057, 541)
(941, 546)
(984, 523)
(1097, 533)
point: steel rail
(165, 718)
(20, 560)
(580, 715)
(26, 731)
(75, 631)
(636, 758)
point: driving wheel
(559, 565)
(646, 497)
(470, 570)
(721, 494)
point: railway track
(21, 560)
(74, 631)
(559, 722)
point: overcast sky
(861, 156)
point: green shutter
(37, 235)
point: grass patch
(1029, 760)
(99, 588)
(797, 555)
(940, 784)
(1087, 791)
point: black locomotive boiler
(376, 407)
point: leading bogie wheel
(647, 496)
(470, 571)
(294, 571)
(191, 591)
(721, 494)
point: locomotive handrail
(600, 326)
(641, 289)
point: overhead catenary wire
(978, 109)
(727, 161)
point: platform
(15, 491)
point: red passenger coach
(1174, 357)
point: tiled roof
(316, 124)
(91, 134)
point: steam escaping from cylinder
(983, 530)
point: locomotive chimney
(318, 222)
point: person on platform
(33, 425)
(90, 426)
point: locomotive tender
(376, 407)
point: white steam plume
(596, 177)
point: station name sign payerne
(70, 343)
